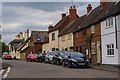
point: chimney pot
(63, 15)
(72, 13)
(50, 27)
(89, 8)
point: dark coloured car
(32, 58)
(75, 59)
(40, 57)
(58, 57)
(49, 57)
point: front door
(98, 53)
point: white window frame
(93, 29)
(109, 22)
(110, 49)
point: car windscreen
(76, 54)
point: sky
(37, 16)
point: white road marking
(1, 71)
(6, 74)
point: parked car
(49, 57)
(32, 58)
(58, 57)
(75, 59)
(7, 57)
(40, 57)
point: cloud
(33, 16)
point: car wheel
(57, 62)
(63, 64)
(69, 65)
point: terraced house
(54, 42)
(110, 34)
(87, 37)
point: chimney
(26, 34)
(72, 13)
(63, 15)
(103, 3)
(21, 35)
(89, 8)
(50, 27)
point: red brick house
(87, 37)
(36, 41)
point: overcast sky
(20, 16)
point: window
(93, 29)
(109, 22)
(38, 38)
(69, 36)
(77, 35)
(93, 48)
(53, 36)
(63, 38)
(110, 49)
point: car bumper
(80, 64)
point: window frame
(93, 44)
(109, 22)
(53, 36)
(110, 50)
(92, 29)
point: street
(24, 69)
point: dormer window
(38, 38)
(109, 22)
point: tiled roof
(112, 11)
(39, 36)
(72, 25)
(63, 20)
(96, 15)
(16, 42)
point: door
(98, 53)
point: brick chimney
(21, 35)
(26, 34)
(63, 15)
(89, 8)
(72, 13)
(50, 27)
(103, 3)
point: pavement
(24, 69)
(110, 68)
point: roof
(112, 11)
(95, 16)
(63, 20)
(23, 44)
(72, 25)
(39, 36)
(16, 42)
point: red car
(8, 57)
(32, 58)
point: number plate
(81, 63)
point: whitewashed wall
(108, 37)
(118, 27)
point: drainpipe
(116, 33)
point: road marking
(6, 74)
(1, 71)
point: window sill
(107, 27)
(109, 55)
